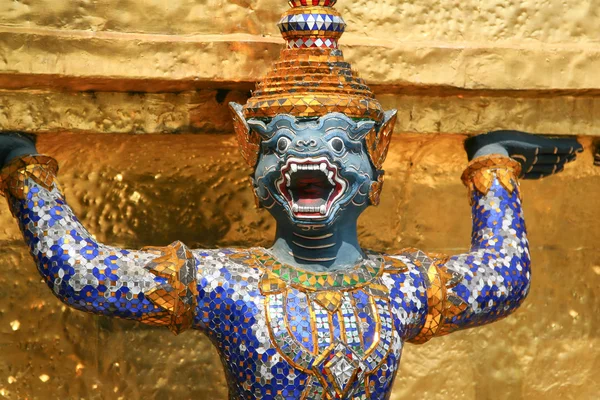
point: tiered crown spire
(311, 78)
(303, 27)
(308, 3)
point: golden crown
(311, 78)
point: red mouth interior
(310, 187)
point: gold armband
(441, 305)
(179, 296)
(480, 173)
(41, 169)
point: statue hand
(539, 156)
(15, 144)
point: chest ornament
(336, 327)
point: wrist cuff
(481, 172)
(42, 169)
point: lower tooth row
(322, 210)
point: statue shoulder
(226, 264)
(411, 259)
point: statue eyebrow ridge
(286, 127)
(345, 129)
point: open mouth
(311, 186)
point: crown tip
(311, 3)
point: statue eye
(282, 144)
(337, 144)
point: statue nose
(302, 144)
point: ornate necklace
(337, 327)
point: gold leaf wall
(130, 96)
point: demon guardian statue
(314, 316)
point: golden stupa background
(131, 97)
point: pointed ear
(379, 138)
(248, 141)
(260, 128)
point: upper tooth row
(308, 167)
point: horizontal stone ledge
(206, 111)
(8, 81)
(57, 82)
(114, 61)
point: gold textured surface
(497, 45)
(133, 190)
(494, 20)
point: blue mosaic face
(314, 171)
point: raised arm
(493, 279)
(156, 286)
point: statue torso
(284, 333)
